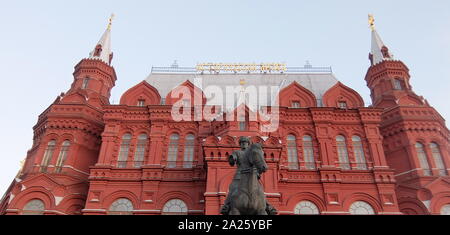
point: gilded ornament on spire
(110, 20)
(371, 22)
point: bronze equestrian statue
(246, 195)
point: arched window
(121, 206)
(445, 210)
(173, 151)
(359, 153)
(361, 208)
(48, 154)
(189, 151)
(296, 104)
(398, 84)
(141, 103)
(175, 207)
(342, 152)
(342, 105)
(292, 152)
(124, 149)
(308, 153)
(85, 83)
(34, 207)
(306, 208)
(422, 156)
(140, 150)
(438, 159)
(242, 123)
(62, 156)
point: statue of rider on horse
(246, 195)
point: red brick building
(329, 155)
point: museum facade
(327, 152)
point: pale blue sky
(41, 41)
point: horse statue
(248, 198)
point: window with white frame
(124, 150)
(140, 150)
(358, 150)
(306, 208)
(85, 83)
(141, 103)
(296, 104)
(175, 207)
(48, 154)
(242, 123)
(361, 208)
(292, 152)
(62, 156)
(121, 206)
(438, 159)
(398, 84)
(423, 160)
(173, 151)
(342, 105)
(34, 207)
(308, 152)
(189, 151)
(342, 152)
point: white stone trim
(334, 212)
(71, 167)
(427, 204)
(286, 212)
(93, 210)
(159, 211)
(12, 210)
(406, 172)
(58, 200)
(390, 213)
(272, 194)
(55, 211)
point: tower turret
(415, 137)
(387, 78)
(66, 142)
(94, 77)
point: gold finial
(110, 20)
(371, 22)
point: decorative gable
(297, 93)
(341, 96)
(140, 95)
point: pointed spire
(380, 51)
(102, 50)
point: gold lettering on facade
(241, 67)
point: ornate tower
(67, 139)
(94, 76)
(416, 139)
